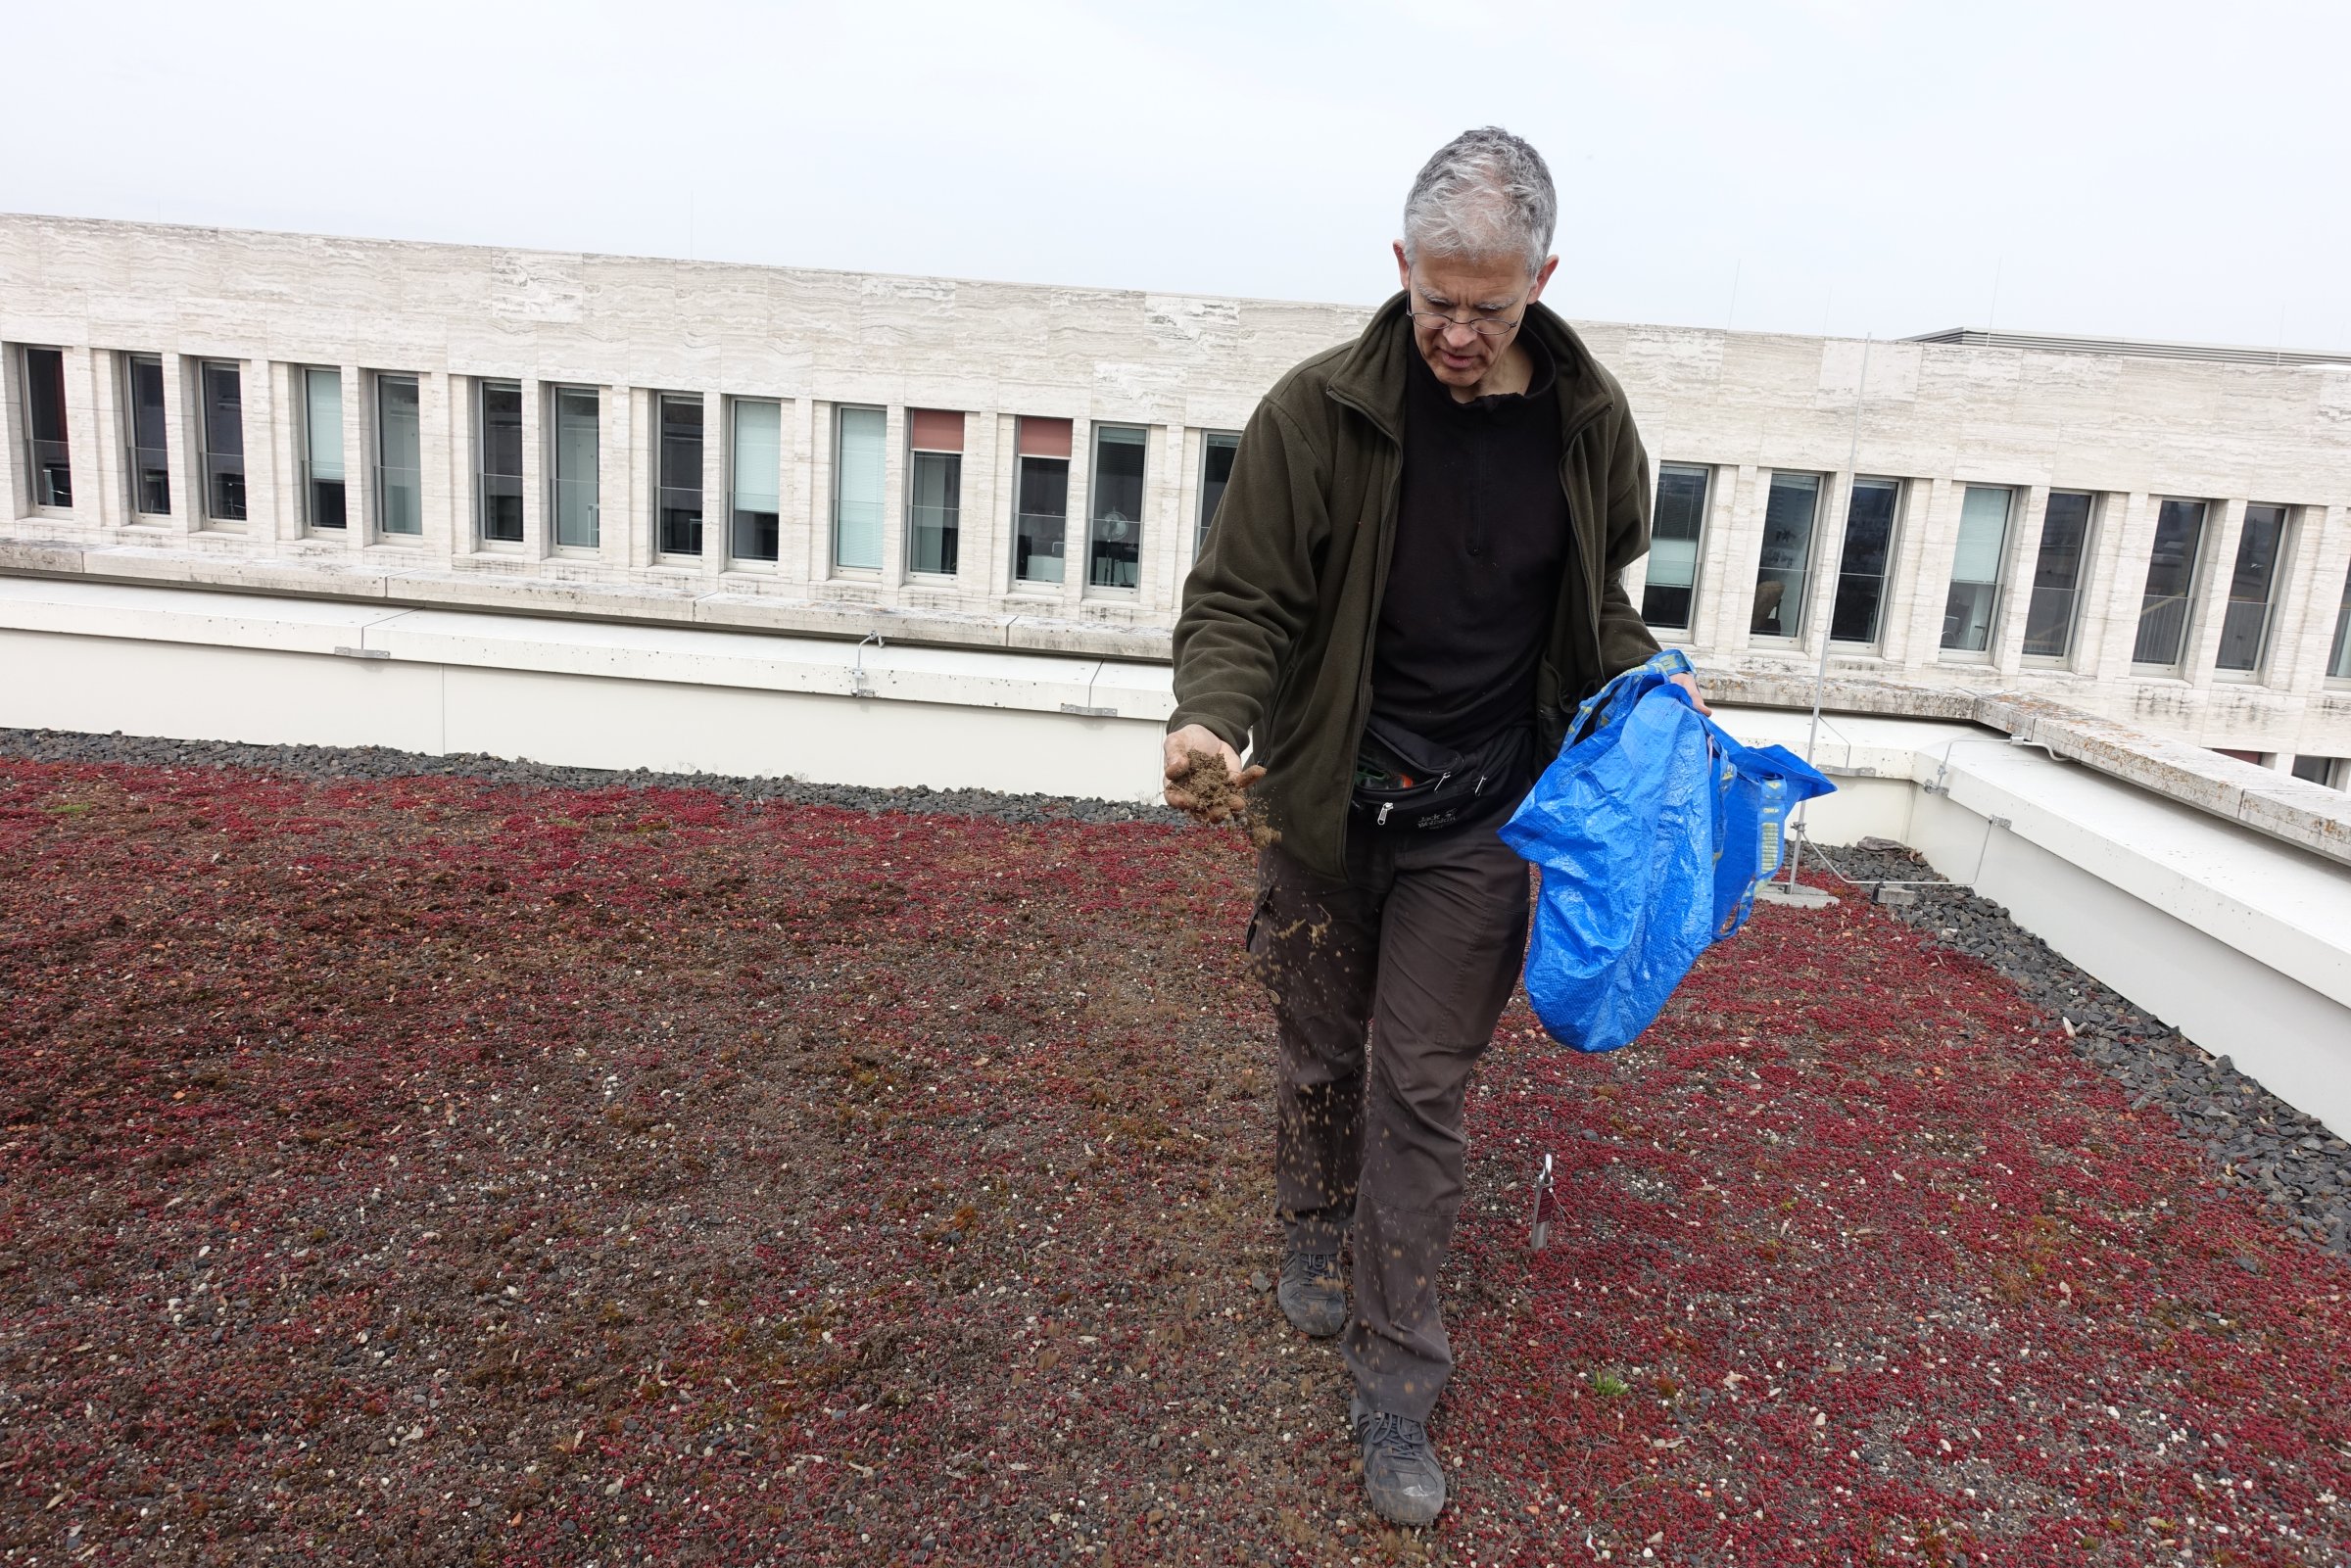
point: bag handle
(1631, 686)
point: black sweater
(1483, 534)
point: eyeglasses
(1439, 320)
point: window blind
(322, 421)
(759, 455)
(1983, 531)
(857, 488)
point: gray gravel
(2259, 1141)
(378, 762)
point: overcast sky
(2150, 169)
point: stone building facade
(2158, 535)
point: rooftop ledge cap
(2292, 810)
(494, 583)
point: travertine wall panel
(2132, 430)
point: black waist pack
(1404, 781)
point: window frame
(2335, 672)
(2189, 619)
(483, 539)
(304, 458)
(1900, 488)
(28, 443)
(379, 489)
(1116, 433)
(2094, 504)
(735, 554)
(1698, 547)
(127, 363)
(1037, 585)
(953, 535)
(552, 441)
(663, 552)
(2257, 672)
(1990, 652)
(1792, 639)
(206, 455)
(840, 568)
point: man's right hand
(1182, 788)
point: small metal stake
(1543, 1205)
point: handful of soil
(1205, 782)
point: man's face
(1468, 288)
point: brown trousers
(1419, 944)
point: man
(1411, 582)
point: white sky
(2141, 167)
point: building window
(498, 460)
(2332, 772)
(1975, 595)
(1041, 494)
(678, 503)
(933, 490)
(323, 504)
(1786, 562)
(1670, 594)
(756, 479)
(579, 515)
(1861, 569)
(858, 458)
(2057, 575)
(223, 430)
(47, 460)
(150, 449)
(399, 459)
(2340, 667)
(2245, 624)
(1114, 542)
(1217, 449)
(2170, 584)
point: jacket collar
(1371, 379)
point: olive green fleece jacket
(1273, 645)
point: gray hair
(1484, 193)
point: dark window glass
(150, 447)
(1861, 571)
(2171, 581)
(48, 462)
(1786, 562)
(2339, 666)
(1114, 541)
(1045, 510)
(224, 390)
(499, 450)
(934, 482)
(1673, 541)
(2245, 624)
(2057, 575)
(680, 498)
(1216, 452)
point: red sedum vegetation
(436, 1172)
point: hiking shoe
(1402, 1479)
(1312, 1293)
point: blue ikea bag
(1650, 832)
